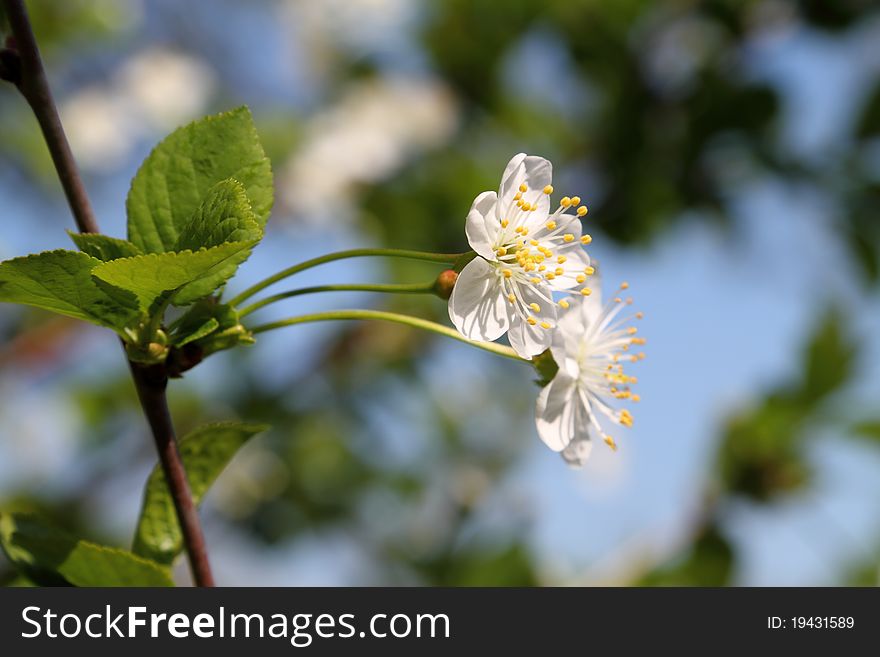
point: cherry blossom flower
(524, 254)
(591, 345)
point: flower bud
(157, 351)
(444, 283)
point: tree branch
(33, 85)
(20, 64)
(151, 382)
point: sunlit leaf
(102, 247)
(174, 180)
(187, 275)
(61, 281)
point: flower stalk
(443, 258)
(392, 288)
(397, 318)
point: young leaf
(51, 556)
(205, 452)
(102, 247)
(61, 281)
(189, 274)
(224, 216)
(227, 333)
(187, 333)
(174, 179)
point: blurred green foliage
(655, 147)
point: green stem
(381, 315)
(447, 258)
(401, 288)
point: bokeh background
(729, 151)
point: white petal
(530, 340)
(477, 305)
(535, 172)
(577, 452)
(590, 308)
(576, 261)
(559, 417)
(566, 343)
(513, 176)
(569, 223)
(482, 224)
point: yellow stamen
(580, 278)
(532, 321)
(548, 189)
(610, 442)
(551, 225)
(535, 307)
(563, 303)
(511, 297)
(586, 239)
(545, 325)
(504, 223)
(507, 273)
(523, 187)
(586, 291)
(582, 210)
(561, 260)
(565, 202)
(575, 200)
(568, 237)
(501, 252)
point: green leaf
(51, 556)
(188, 275)
(190, 333)
(61, 281)
(174, 180)
(228, 332)
(224, 216)
(205, 453)
(102, 247)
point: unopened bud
(444, 283)
(157, 351)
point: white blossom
(591, 345)
(524, 253)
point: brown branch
(20, 64)
(151, 382)
(33, 85)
